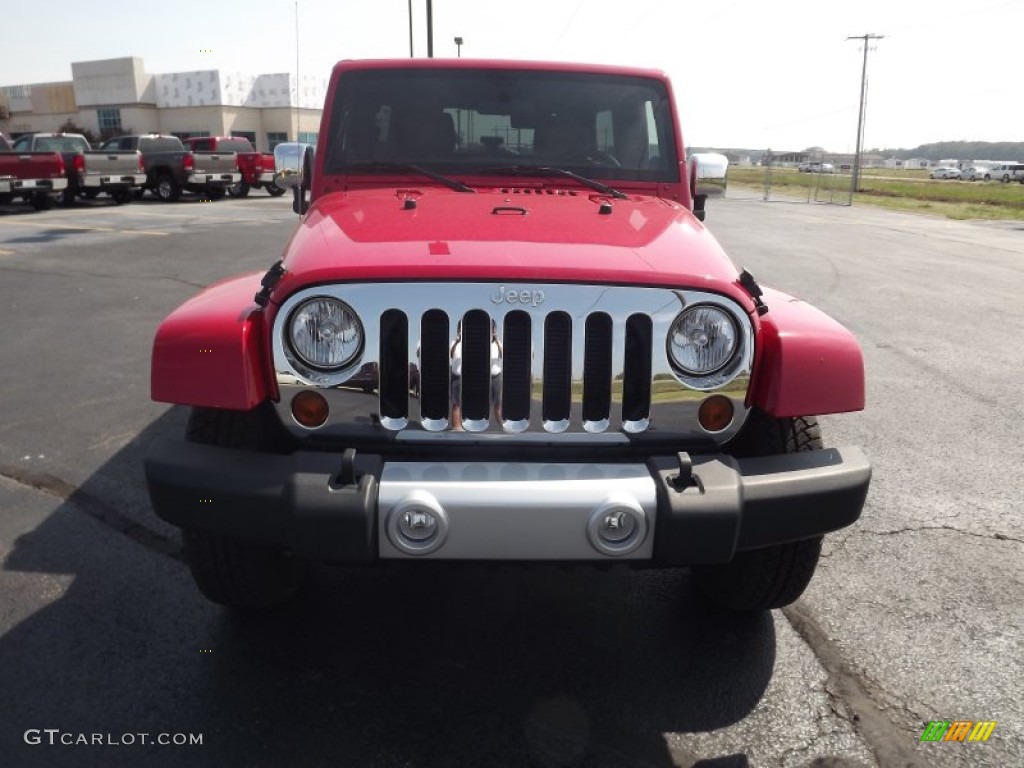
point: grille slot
(394, 365)
(636, 381)
(597, 368)
(516, 364)
(434, 366)
(476, 366)
(557, 388)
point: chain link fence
(811, 180)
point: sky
(746, 73)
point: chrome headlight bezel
(728, 365)
(302, 353)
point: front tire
(273, 190)
(773, 577)
(239, 574)
(241, 189)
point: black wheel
(6, 198)
(762, 579)
(67, 197)
(241, 189)
(215, 193)
(121, 196)
(273, 190)
(90, 194)
(239, 574)
(167, 189)
(139, 193)
(42, 201)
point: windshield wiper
(547, 170)
(389, 165)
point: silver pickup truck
(171, 169)
(89, 172)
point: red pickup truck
(500, 332)
(38, 178)
(257, 168)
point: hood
(523, 233)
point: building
(117, 96)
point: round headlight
(325, 333)
(702, 339)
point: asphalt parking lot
(916, 612)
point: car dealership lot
(915, 613)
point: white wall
(109, 81)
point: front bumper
(340, 507)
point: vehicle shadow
(405, 665)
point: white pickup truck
(89, 172)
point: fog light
(617, 526)
(310, 409)
(417, 524)
(715, 413)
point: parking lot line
(5, 252)
(51, 225)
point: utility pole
(410, 29)
(298, 114)
(866, 38)
(430, 29)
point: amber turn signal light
(715, 413)
(310, 409)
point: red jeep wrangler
(500, 332)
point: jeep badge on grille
(517, 296)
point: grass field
(901, 190)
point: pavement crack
(104, 276)
(920, 528)
(95, 508)
(886, 740)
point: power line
(866, 38)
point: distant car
(944, 173)
(816, 168)
(975, 173)
(1009, 172)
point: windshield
(458, 121)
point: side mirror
(709, 173)
(293, 169)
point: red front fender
(212, 350)
(807, 364)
